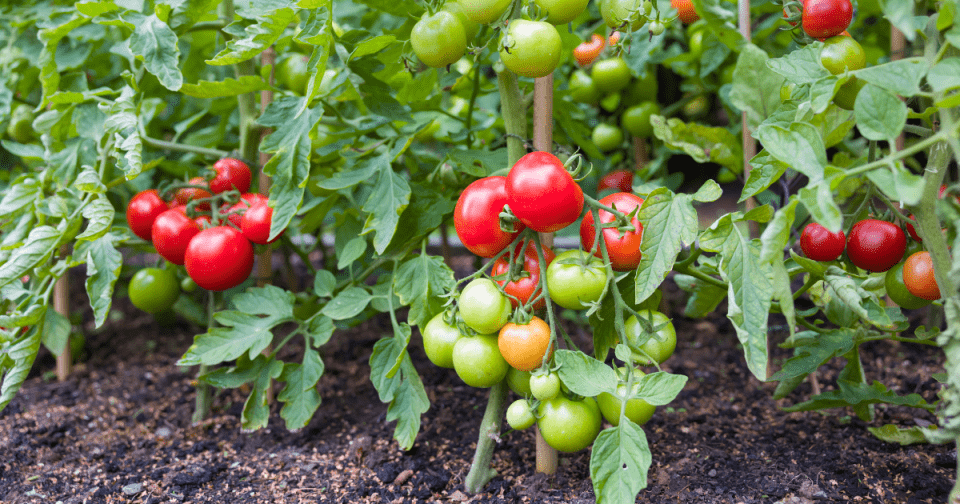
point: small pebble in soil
(712, 473)
(164, 432)
(132, 489)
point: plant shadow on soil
(118, 430)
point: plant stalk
(204, 399)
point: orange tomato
(588, 51)
(524, 345)
(918, 276)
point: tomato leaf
(402, 388)
(704, 297)
(898, 183)
(324, 283)
(104, 263)
(252, 39)
(260, 371)
(799, 145)
(660, 388)
(300, 397)
(40, 245)
(880, 114)
(99, 214)
(669, 223)
(16, 359)
(901, 77)
(419, 282)
(584, 375)
(389, 198)
(21, 196)
(945, 75)
(348, 303)
(852, 393)
(756, 88)
(776, 235)
(818, 199)
(227, 87)
(703, 143)
(900, 14)
(812, 349)
(619, 462)
(156, 44)
(891, 433)
(801, 66)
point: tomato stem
(480, 471)
(201, 409)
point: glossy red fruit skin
(219, 258)
(622, 180)
(528, 286)
(255, 224)
(820, 244)
(476, 217)
(826, 18)
(231, 174)
(142, 210)
(876, 245)
(542, 194)
(172, 232)
(624, 251)
(247, 200)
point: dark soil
(119, 431)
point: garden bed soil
(119, 430)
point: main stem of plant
(201, 408)
(515, 121)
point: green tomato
(519, 381)
(841, 53)
(545, 386)
(643, 89)
(470, 28)
(439, 339)
(562, 11)
(188, 285)
(636, 119)
(616, 12)
(439, 40)
(478, 362)
(530, 48)
(154, 290)
(659, 346)
(725, 175)
(846, 96)
(611, 102)
(638, 410)
(657, 28)
(582, 88)
(484, 11)
(567, 425)
(576, 279)
(292, 73)
(483, 307)
(697, 107)
(611, 74)
(20, 128)
(893, 281)
(696, 44)
(520, 415)
(607, 137)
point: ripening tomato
(523, 346)
(247, 200)
(171, 234)
(439, 40)
(476, 217)
(530, 48)
(219, 258)
(918, 276)
(255, 224)
(588, 51)
(820, 244)
(623, 248)
(542, 194)
(621, 180)
(898, 292)
(231, 174)
(876, 245)
(142, 210)
(826, 18)
(527, 286)
(685, 11)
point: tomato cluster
(216, 250)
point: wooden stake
(898, 44)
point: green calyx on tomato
(439, 338)
(483, 307)
(154, 290)
(659, 345)
(439, 40)
(576, 279)
(478, 362)
(530, 48)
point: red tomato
(172, 232)
(820, 244)
(255, 224)
(542, 194)
(826, 18)
(588, 51)
(621, 180)
(188, 194)
(477, 217)
(231, 174)
(624, 250)
(247, 200)
(685, 11)
(876, 245)
(142, 210)
(529, 285)
(219, 258)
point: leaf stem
(176, 147)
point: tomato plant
(142, 210)
(607, 137)
(658, 345)
(636, 119)
(544, 386)
(637, 410)
(918, 276)
(172, 232)
(560, 12)
(483, 307)
(612, 74)
(255, 224)
(154, 290)
(439, 40)
(439, 337)
(478, 362)
(484, 11)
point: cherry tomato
(820, 244)
(247, 200)
(483, 307)
(520, 415)
(478, 362)
(623, 248)
(438, 341)
(621, 180)
(188, 194)
(636, 119)
(826, 18)
(219, 258)
(638, 410)
(607, 137)
(476, 217)
(231, 174)
(661, 345)
(576, 279)
(616, 12)
(484, 11)
(519, 381)
(847, 94)
(545, 386)
(561, 11)
(542, 194)
(918, 276)
(171, 234)
(613, 38)
(582, 88)
(611, 74)
(255, 224)
(20, 127)
(292, 73)
(142, 210)
(523, 346)
(439, 40)
(643, 89)
(840, 54)
(530, 48)
(528, 285)
(567, 425)
(898, 292)
(154, 290)
(685, 11)
(876, 245)
(588, 51)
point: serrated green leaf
(669, 222)
(348, 303)
(419, 283)
(812, 350)
(659, 388)
(255, 38)
(300, 397)
(945, 75)
(891, 433)
(852, 393)
(765, 170)
(104, 263)
(880, 114)
(56, 332)
(88, 181)
(260, 371)
(400, 386)
(353, 250)
(801, 66)
(619, 462)
(324, 283)
(776, 235)
(389, 198)
(799, 146)
(703, 143)
(21, 196)
(818, 199)
(227, 87)
(372, 46)
(756, 88)
(40, 245)
(704, 297)
(898, 183)
(15, 362)
(156, 44)
(99, 214)
(584, 375)
(901, 77)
